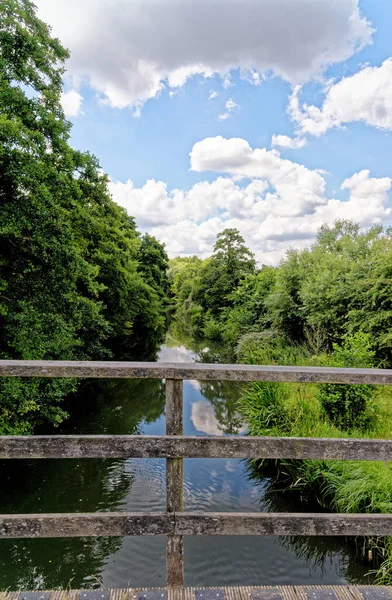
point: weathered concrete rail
(175, 523)
(146, 446)
(183, 523)
(199, 371)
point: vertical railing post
(174, 483)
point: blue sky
(185, 104)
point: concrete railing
(174, 446)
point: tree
(70, 287)
(184, 278)
(249, 311)
(153, 265)
(231, 262)
(284, 304)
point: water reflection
(223, 397)
(219, 414)
(59, 486)
(204, 419)
(119, 406)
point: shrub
(212, 329)
(270, 348)
(349, 406)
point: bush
(349, 406)
(270, 348)
(212, 329)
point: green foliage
(339, 286)
(212, 329)
(183, 276)
(263, 406)
(201, 290)
(248, 311)
(267, 348)
(153, 265)
(349, 406)
(71, 286)
(220, 275)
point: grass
(278, 409)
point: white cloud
(365, 96)
(284, 141)
(204, 419)
(283, 205)
(252, 76)
(128, 51)
(231, 105)
(153, 205)
(297, 188)
(72, 103)
(213, 94)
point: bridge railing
(174, 446)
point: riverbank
(340, 486)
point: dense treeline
(315, 298)
(77, 281)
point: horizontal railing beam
(85, 369)
(131, 446)
(189, 524)
(85, 525)
(200, 371)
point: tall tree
(222, 273)
(69, 281)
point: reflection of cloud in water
(204, 419)
(231, 466)
(195, 384)
(176, 354)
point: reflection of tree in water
(205, 351)
(315, 551)
(115, 406)
(223, 396)
(70, 485)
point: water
(137, 407)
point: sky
(270, 116)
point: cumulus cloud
(274, 202)
(153, 205)
(213, 94)
(297, 189)
(72, 103)
(128, 51)
(365, 96)
(284, 141)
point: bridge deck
(314, 592)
